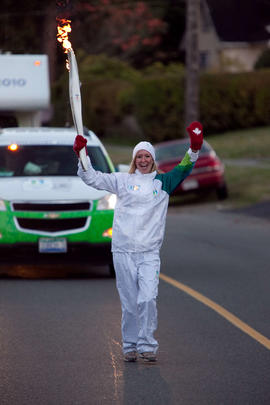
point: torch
(74, 84)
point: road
(60, 340)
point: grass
(248, 143)
(247, 184)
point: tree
(174, 16)
(29, 27)
(128, 30)
(139, 32)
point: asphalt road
(60, 340)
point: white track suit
(138, 230)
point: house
(232, 34)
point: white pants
(137, 277)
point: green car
(44, 206)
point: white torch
(74, 84)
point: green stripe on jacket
(174, 177)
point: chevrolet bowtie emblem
(52, 215)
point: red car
(207, 174)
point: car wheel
(222, 192)
(111, 269)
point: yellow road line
(220, 310)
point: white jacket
(142, 203)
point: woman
(138, 230)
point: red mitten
(195, 131)
(79, 143)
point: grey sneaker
(148, 357)
(130, 356)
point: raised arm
(177, 175)
(92, 177)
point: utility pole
(192, 61)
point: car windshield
(175, 150)
(47, 160)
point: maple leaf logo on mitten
(195, 131)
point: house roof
(240, 20)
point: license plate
(190, 185)
(52, 245)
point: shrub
(158, 104)
(263, 60)
(154, 98)
(262, 100)
(101, 105)
(234, 101)
(104, 67)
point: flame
(63, 29)
(13, 147)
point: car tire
(222, 192)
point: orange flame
(13, 147)
(63, 29)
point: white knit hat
(144, 146)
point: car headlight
(2, 205)
(107, 203)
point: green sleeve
(173, 178)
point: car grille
(55, 206)
(51, 225)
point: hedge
(156, 99)
(234, 101)
(158, 105)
